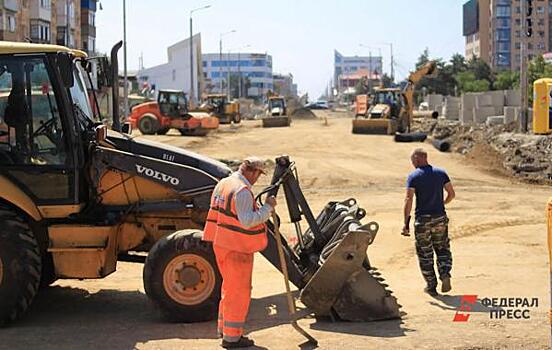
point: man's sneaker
(446, 287)
(244, 342)
(431, 291)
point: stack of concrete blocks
(435, 102)
(488, 104)
(467, 106)
(513, 104)
(451, 108)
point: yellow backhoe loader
(391, 108)
(77, 197)
(276, 114)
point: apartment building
(63, 22)
(493, 31)
(346, 65)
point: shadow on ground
(67, 318)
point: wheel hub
(188, 276)
(189, 279)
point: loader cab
(44, 111)
(218, 101)
(390, 97)
(172, 103)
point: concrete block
(483, 100)
(513, 98)
(499, 110)
(481, 114)
(497, 98)
(466, 116)
(510, 114)
(467, 101)
(495, 120)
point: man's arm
(407, 209)
(450, 193)
(246, 215)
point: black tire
(20, 266)
(194, 132)
(163, 131)
(148, 124)
(186, 243)
(48, 276)
(237, 118)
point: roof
(387, 89)
(9, 47)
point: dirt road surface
(498, 237)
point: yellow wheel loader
(391, 108)
(276, 113)
(76, 198)
(218, 106)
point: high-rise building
(493, 31)
(88, 25)
(476, 29)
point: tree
(480, 69)
(506, 80)
(467, 82)
(361, 88)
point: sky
(300, 35)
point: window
(518, 46)
(518, 22)
(540, 46)
(504, 22)
(91, 19)
(502, 34)
(503, 11)
(540, 10)
(541, 34)
(529, 46)
(45, 4)
(31, 132)
(11, 23)
(518, 34)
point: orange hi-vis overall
(234, 246)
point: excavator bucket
(329, 264)
(276, 121)
(373, 126)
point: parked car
(318, 105)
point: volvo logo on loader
(142, 170)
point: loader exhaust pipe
(115, 86)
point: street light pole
(522, 70)
(220, 56)
(191, 98)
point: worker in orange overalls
(236, 226)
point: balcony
(38, 12)
(11, 5)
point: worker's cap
(255, 163)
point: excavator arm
(429, 68)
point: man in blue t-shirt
(431, 222)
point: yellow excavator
(391, 108)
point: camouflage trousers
(432, 235)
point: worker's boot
(431, 291)
(244, 342)
(446, 287)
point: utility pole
(370, 71)
(125, 88)
(192, 96)
(523, 117)
(67, 25)
(239, 75)
(228, 75)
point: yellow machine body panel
(81, 251)
(117, 188)
(542, 106)
(9, 47)
(14, 195)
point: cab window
(31, 131)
